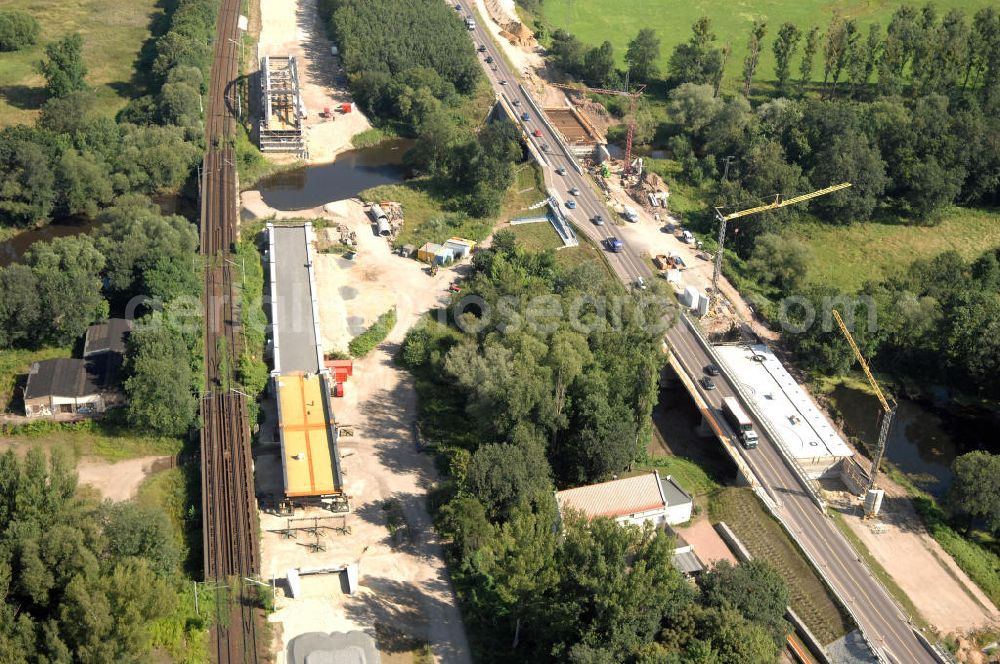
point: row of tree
(523, 400)
(80, 581)
(77, 160)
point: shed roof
(672, 491)
(308, 446)
(109, 336)
(65, 377)
(630, 495)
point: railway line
(231, 549)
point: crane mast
(888, 407)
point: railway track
(231, 549)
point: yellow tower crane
(774, 205)
(888, 410)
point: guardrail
(542, 117)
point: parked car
(571, 204)
(708, 383)
(712, 370)
(574, 191)
(598, 220)
(561, 171)
(640, 283)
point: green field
(113, 34)
(593, 21)
(847, 256)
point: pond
(352, 172)
(925, 438)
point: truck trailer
(741, 424)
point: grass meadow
(113, 36)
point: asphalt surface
(880, 617)
(296, 327)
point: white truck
(741, 424)
(630, 213)
(470, 23)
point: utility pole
(725, 173)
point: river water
(352, 172)
(924, 439)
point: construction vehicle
(633, 97)
(872, 496)
(774, 205)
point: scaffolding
(282, 107)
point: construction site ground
(294, 28)
(942, 593)
(405, 598)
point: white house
(649, 497)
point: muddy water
(13, 249)
(352, 172)
(924, 439)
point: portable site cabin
(444, 256)
(426, 253)
(460, 246)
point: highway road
(881, 619)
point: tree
(505, 476)
(784, 47)
(808, 54)
(27, 183)
(84, 183)
(599, 65)
(17, 30)
(753, 588)
(698, 60)
(643, 55)
(693, 106)
(136, 531)
(897, 49)
(64, 70)
(975, 490)
(755, 43)
(931, 186)
(67, 271)
(159, 380)
(849, 158)
(782, 261)
(841, 38)
(19, 306)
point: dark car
(708, 383)
(712, 370)
(482, 48)
(489, 59)
(598, 220)
(561, 171)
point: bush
(17, 30)
(374, 335)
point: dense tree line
(528, 399)
(79, 581)
(938, 322)
(413, 65)
(76, 160)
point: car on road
(571, 204)
(489, 59)
(482, 47)
(574, 191)
(516, 102)
(613, 244)
(712, 370)
(503, 81)
(598, 220)
(525, 117)
(561, 170)
(545, 146)
(640, 284)
(458, 8)
(708, 383)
